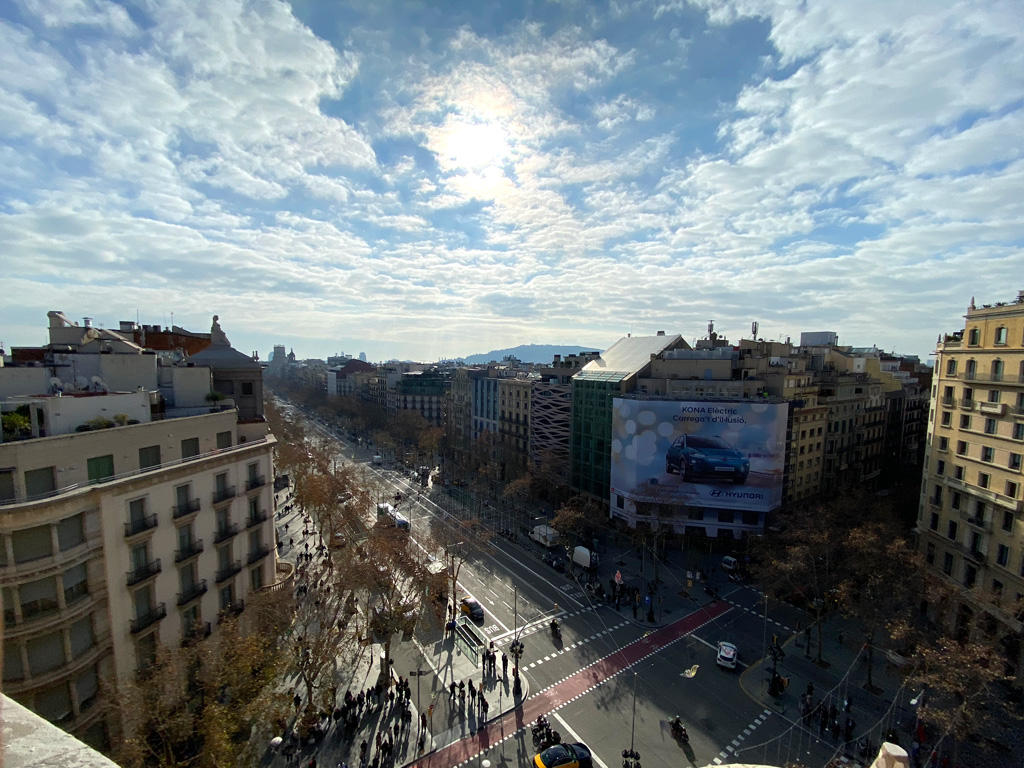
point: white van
(583, 557)
(729, 564)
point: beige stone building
(970, 519)
(514, 399)
(129, 520)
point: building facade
(971, 514)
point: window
(7, 485)
(145, 651)
(140, 556)
(1018, 431)
(1015, 461)
(223, 440)
(958, 473)
(255, 541)
(70, 532)
(947, 419)
(224, 557)
(189, 447)
(1007, 521)
(39, 482)
(987, 454)
(970, 576)
(940, 467)
(1002, 555)
(1000, 335)
(32, 544)
(13, 670)
(45, 653)
(185, 537)
(997, 370)
(968, 394)
(726, 516)
(933, 523)
(137, 512)
(997, 588)
(983, 479)
(951, 367)
(81, 636)
(943, 443)
(961, 447)
(930, 554)
(87, 686)
(100, 468)
(937, 496)
(256, 578)
(38, 597)
(76, 584)
(1011, 489)
(993, 395)
(54, 703)
(954, 501)
(972, 368)
(247, 388)
(973, 337)
(227, 596)
(965, 422)
(149, 457)
(947, 564)
(951, 531)
(187, 578)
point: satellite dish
(56, 384)
(81, 382)
(98, 385)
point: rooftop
(627, 356)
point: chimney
(87, 321)
(661, 333)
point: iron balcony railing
(148, 619)
(139, 524)
(190, 506)
(230, 570)
(195, 591)
(223, 494)
(255, 482)
(191, 549)
(258, 554)
(225, 532)
(143, 572)
(255, 518)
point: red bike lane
(571, 688)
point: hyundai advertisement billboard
(711, 454)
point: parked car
(696, 456)
(472, 608)
(574, 755)
(728, 655)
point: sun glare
(472, 146)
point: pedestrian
(634, 610)
(297, 701)
(451, 691)
(484, 706)
(822, 720)
(472, 691)
(423, 720)
(848, 731)
(810, 689)
(504, 665)
(835, 730)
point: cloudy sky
(430, 179)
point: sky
(423, 180)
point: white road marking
(568, 729)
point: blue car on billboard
(696, 456)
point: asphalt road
(630, 700)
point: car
(472, 608)
(727, 655)
(697, 456)
(575, 755)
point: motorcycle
(556, 631)
(679, 732)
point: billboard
(728, 455)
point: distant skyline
(426, 180)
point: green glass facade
(591, 434)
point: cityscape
(818, 541)
(549, 384)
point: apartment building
(130, 521)
(514, 398)
(970, 518)
(551, 411)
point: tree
(878, 573)
(456, 541)
(212, 703)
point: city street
(615, 678)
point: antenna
(753, 330)
(711, 327)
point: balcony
(949, 401)
(143, 572)
(255, 482)
(225, 532)
(255, 518)
(189, 550)
(194, 592)
(967, 404)
(224, 494)
(200, 631)
(148, 619)
(190, 506)
(258, 554)
(227, 572)
(979, 522)
(231, 610)
(139, 525)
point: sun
(471, 146)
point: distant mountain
(528, 353)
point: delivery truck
(545, 535)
